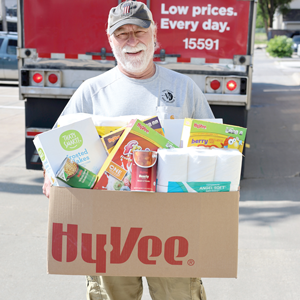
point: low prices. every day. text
(209, 23)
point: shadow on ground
(267, 214)
(17, 188)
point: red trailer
(63, 43)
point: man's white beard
(134, 64)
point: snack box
(110, 140)
(198, 133)
(78, 141)
(173, 128)
(143, 234)
(115, 174)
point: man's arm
(46, 185)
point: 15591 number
(201, 44)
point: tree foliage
(267, 8)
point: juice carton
(198, 133)
(115, 174)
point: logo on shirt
(168, 96)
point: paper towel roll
(228, 167)
(172, 165)
(201, 165)
(161, 189)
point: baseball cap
(129, 12)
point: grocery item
(198, 133)
(78, 141)
(76, 175)
(173, 128)
(197, 187)
(228, 167)
(116, 173)
(172, 165)
(109, 140)
(104, 125)
(144, 171)
(198, 170)
(201, 165)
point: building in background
(290, 21)
(11, 15)
(288, 24)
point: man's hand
(46, 186)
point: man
(138, 87)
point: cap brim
(132, 21)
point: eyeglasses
(124, 35)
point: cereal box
(78, 141)
(198, 133)
(110, 140)
(115, 174)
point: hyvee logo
(140, 126)
(168, 96)
(174, 247)
(199, 126)
(70, 140)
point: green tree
(267, 8)
(259, 18)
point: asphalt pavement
(269, 247)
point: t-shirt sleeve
(202, 109)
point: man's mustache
(137, 48)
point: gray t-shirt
(167, 94)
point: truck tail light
(215, 84)
(37, 78)
(41, 78)
(225, 85)
(52, 78)
(231, 85)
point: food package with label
(75, 175)
(198, 133)
(186, 170)
(110, 140)
(78, 141)
(104, 125)
(173, 128)
(115, 174)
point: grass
(260, 38)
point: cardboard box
(79, 141)
(94, 232)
